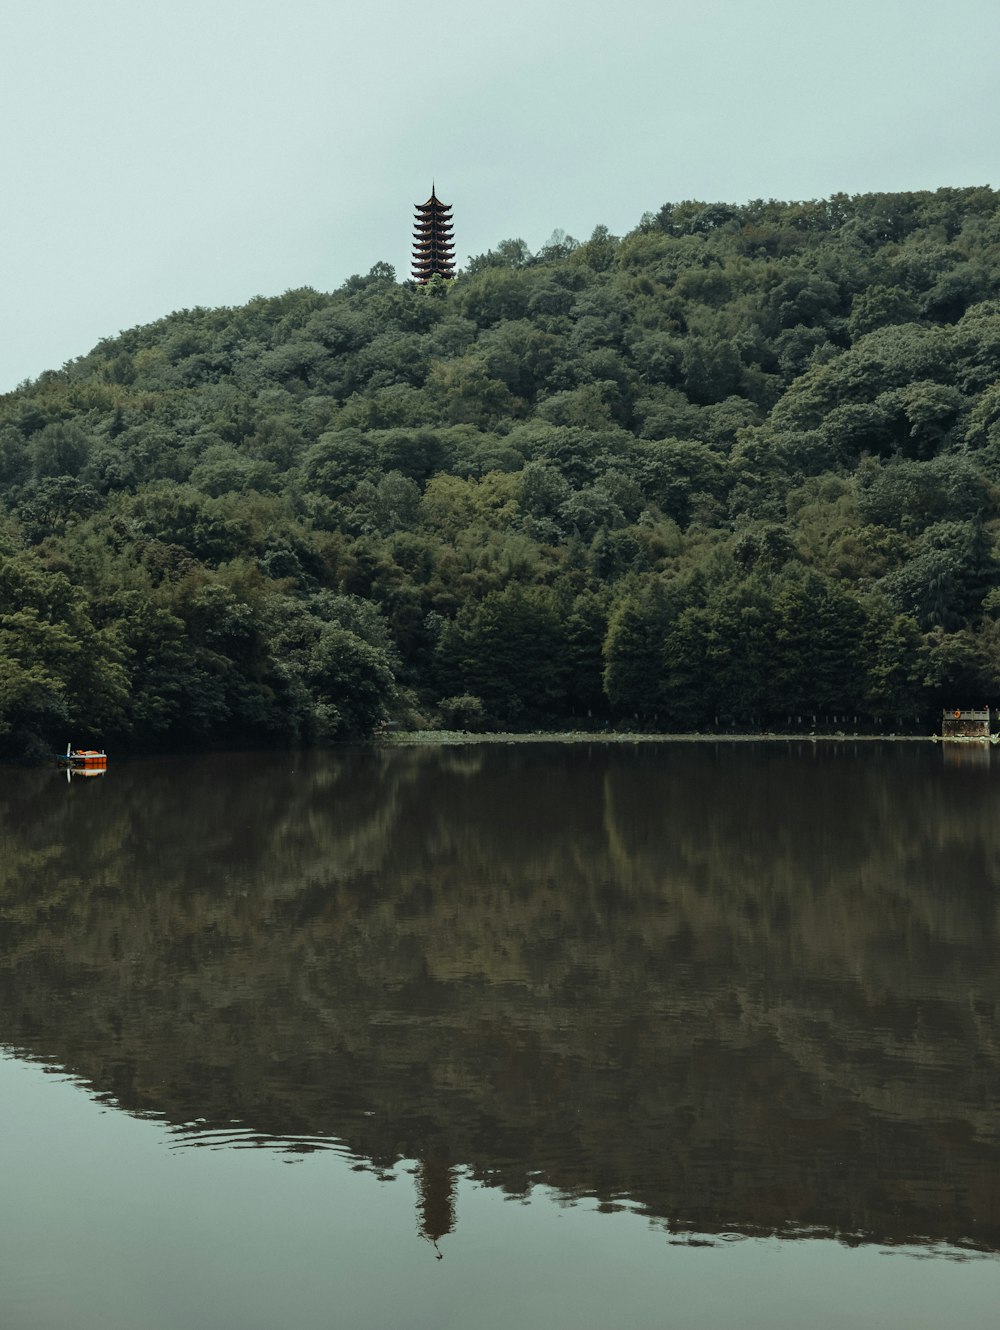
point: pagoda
(433, 248)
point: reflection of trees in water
(740, 986)
(882, 889)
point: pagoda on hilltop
(433, 248)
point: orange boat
(85, 761)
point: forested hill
(738, 467)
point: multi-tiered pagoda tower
(433, 248)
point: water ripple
(199, 1136)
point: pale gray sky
(200, 152)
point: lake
(693, 1035)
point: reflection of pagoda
(433, 249)
(436, 1199)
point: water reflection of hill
(747, 988)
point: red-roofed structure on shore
(433, 247)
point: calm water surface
(688, 1035)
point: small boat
(84, 761)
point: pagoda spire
(433, 246)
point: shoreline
(445, 738)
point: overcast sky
(200, 152)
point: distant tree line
(736, 468)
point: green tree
(508, 651)
(634, 650)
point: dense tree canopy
(736, 468)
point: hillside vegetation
(736, 468)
